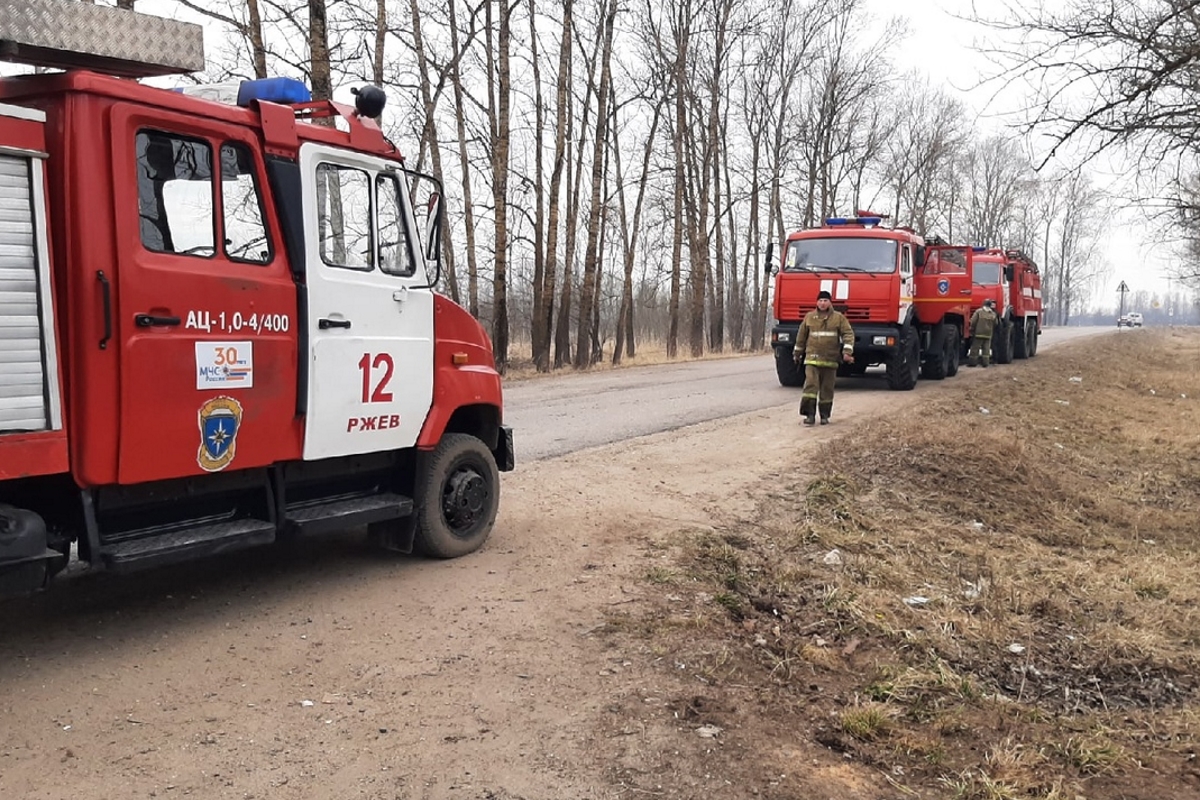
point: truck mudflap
(505, 456)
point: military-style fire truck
(218, 326)
(907, 297)
(1012, 281)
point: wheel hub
(464, 499)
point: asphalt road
(559, 415)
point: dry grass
(1023, 583)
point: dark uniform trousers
(818, 390)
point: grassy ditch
(995, 594)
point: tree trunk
(629, 234)
(258, 49)
(464, 166)
(562, 335)
(318, 47)
(587, 297)
(544, 314)
(679, 77)
(499, 100)
(539, 343)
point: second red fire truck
(907, 297)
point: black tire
(904, 369)
(1033, 338)
(790, 373)
(956, 350)
(1021, 341)
(1002, 343)
(459, 503)
(941, 343)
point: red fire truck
(218, 326)
(907, 297)
(1012, 281)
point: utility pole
(1123, 288)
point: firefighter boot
(807, 409)
(826, 409)
(972, 363)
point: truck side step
(186, 543)
(340, 515)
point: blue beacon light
(273, 90)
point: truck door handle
(326, 324)
(150, 321)
(106, 295)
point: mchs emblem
(220, 418)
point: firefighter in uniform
(824, 341)
(983, 325)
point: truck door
(205, 305)
(370, 310)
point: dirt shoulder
(591, 650)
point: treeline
(616, 169)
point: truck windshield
(834, 253)
(986, 274)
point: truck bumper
(872, 343)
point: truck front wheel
(904, 367)
(460, 500)
(790, 373)
(1002, 342)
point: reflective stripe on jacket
(824, 338)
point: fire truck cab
(907, 297)
(218, 323)
(1011, 280)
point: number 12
(367, 365)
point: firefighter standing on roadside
(825, 340)
(983, 325)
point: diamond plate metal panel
(65, 35)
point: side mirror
(919, 256)
(1009, 273)
(426, 190)
(433, 228)
(769, 266)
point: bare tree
(544, 310)
(995, 172)
(464, 161)
(589, 293)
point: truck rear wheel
(460, 500)
(790, 373)
(904, 369)
(1033, 338)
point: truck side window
(175, 194)
(905, 260)
(394, 255)
(344, 217)
(241, 207)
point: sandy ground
(335, 671)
